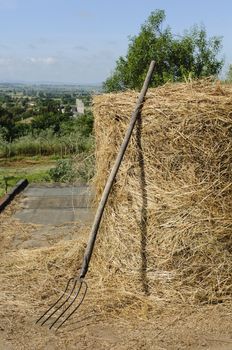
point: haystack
(166, 232)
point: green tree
(49, 120)
(176, 57)
(6, 122)
(229, 74)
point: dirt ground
(27, 288)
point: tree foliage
(176, 57)
(63, 172)
(229, 74)
(9, 129)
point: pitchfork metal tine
(60, 306)
(78, 305)
(76, 280)
(63, 312)
(47, 311)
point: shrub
(63, 172)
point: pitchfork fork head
(65, 306)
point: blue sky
(79, 41)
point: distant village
(25, 101)
(44, 120)
(77, 109)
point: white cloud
(4, 47)
(42, 60)
(31, 46)
(58, 67)
(5, 61)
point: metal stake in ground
(76, 286)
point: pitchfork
(76, 287)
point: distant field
(35, 169)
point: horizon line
(38, 82)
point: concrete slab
(55, 190)
(55, 205)
(55, 216)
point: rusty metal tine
(83, 297)
(60, 306)
(63, 312)
(47, 311)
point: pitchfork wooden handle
(109, 183)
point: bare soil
(26, 291)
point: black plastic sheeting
(19, 187)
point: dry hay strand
(10, 229)
(166, 232)
(31, 279)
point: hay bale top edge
(203, 89)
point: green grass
(52, 145)
(4, 161)
(36, 173)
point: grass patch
(25, 160)
(34, 171)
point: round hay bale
(166, 231)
